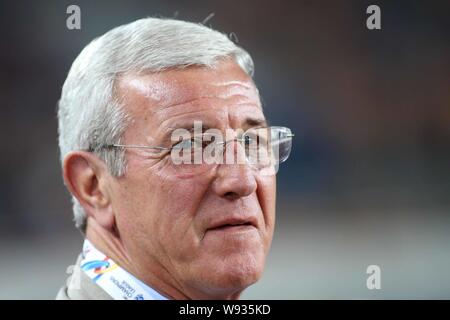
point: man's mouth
(226, 227)
(234, 224)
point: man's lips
(233, 223)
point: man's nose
(234, 180)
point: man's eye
(189, 144)
(254, 140)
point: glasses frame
(166, 150)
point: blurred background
(368, 181)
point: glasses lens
(281, 143)
(266, 147)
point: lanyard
(116, 281)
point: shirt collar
(116, 281)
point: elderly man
(156, 227)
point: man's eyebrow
(168, 131)
(256, 122)
(248, 123)
(188, 126)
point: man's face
(179, 225)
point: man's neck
(111, 245)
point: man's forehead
(154, 92)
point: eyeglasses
(263, 148)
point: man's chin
(231, 274)
(239, 278)
(231, 241)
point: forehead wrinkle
(219, 116)
(186, 102)
(246, 84)
(235, 88)
(203, 112)
(224, 93)
(209, 105)
(160, 94)
(172, 88)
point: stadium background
(368, 181)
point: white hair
(90, 116)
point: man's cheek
(179, 240)
(187, 191)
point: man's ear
(86, 176)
